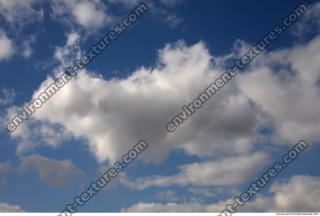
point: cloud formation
(228, 171)
(112, 114)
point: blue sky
(137, 85)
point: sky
(134, 88)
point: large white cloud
(279, 89)
(112, 115)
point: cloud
(53, 172)
(113, 114)
(19, 13)
(7, 96)
(70, 51)
(7, 46)
(297, 194)
(286, 94)
(309, 23)
(32, 133)
(91, 15)
(5, 207)
(5, 168)
(168, 195)
(227, 171)
(162, 11)
(26, 46)
(174, 207)
(205, 191)
(88, 15)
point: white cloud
(285, 83)
(112, 115)
(70, 51)
(227, 171)
(168, 195)
(7, 96)
(27, 50)
(31, 134)
(173, 20)
(5, 207)
(205, 191)
(7, 47)
(309, 23)
(88, 15)
(297, 194)
(18, 13)
(91, 15)
(161, 11)
(53, 172)
(175, 207)
(164, 13)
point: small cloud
(170, 196)
(7, 47)
(173, 20)
(53, 172)
(26, 46)
(7, 96)
(5, 207)
(91, 15)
